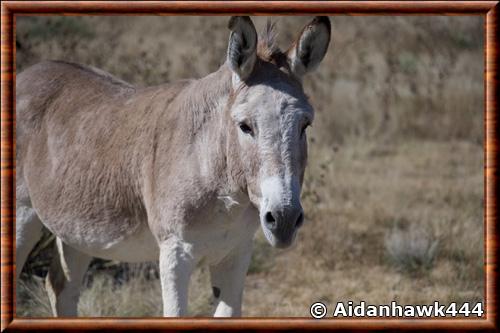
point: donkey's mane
(267, 48)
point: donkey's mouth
(280, 240)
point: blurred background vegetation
(393, 193)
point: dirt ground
(393, 192)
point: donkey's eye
(246, 129)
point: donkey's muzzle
(284, 224)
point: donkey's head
(270, 113)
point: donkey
(178, 172)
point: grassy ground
(394, 187)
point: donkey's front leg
(176, 265)
(228, 279)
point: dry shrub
(32, 300)
(137, 296)
(412, 249)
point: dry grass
(394, 188)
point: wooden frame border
(9, 9)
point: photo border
(9, 10)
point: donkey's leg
(28, 233)
(64, 279)
(228, 279)
(176, 265)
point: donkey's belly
(138, 246)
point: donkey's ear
(242, 48)
(310, 48)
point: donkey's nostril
(270, 221)
(300, 220)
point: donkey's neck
(206, 113)
(203, 100)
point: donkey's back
(41, 86)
